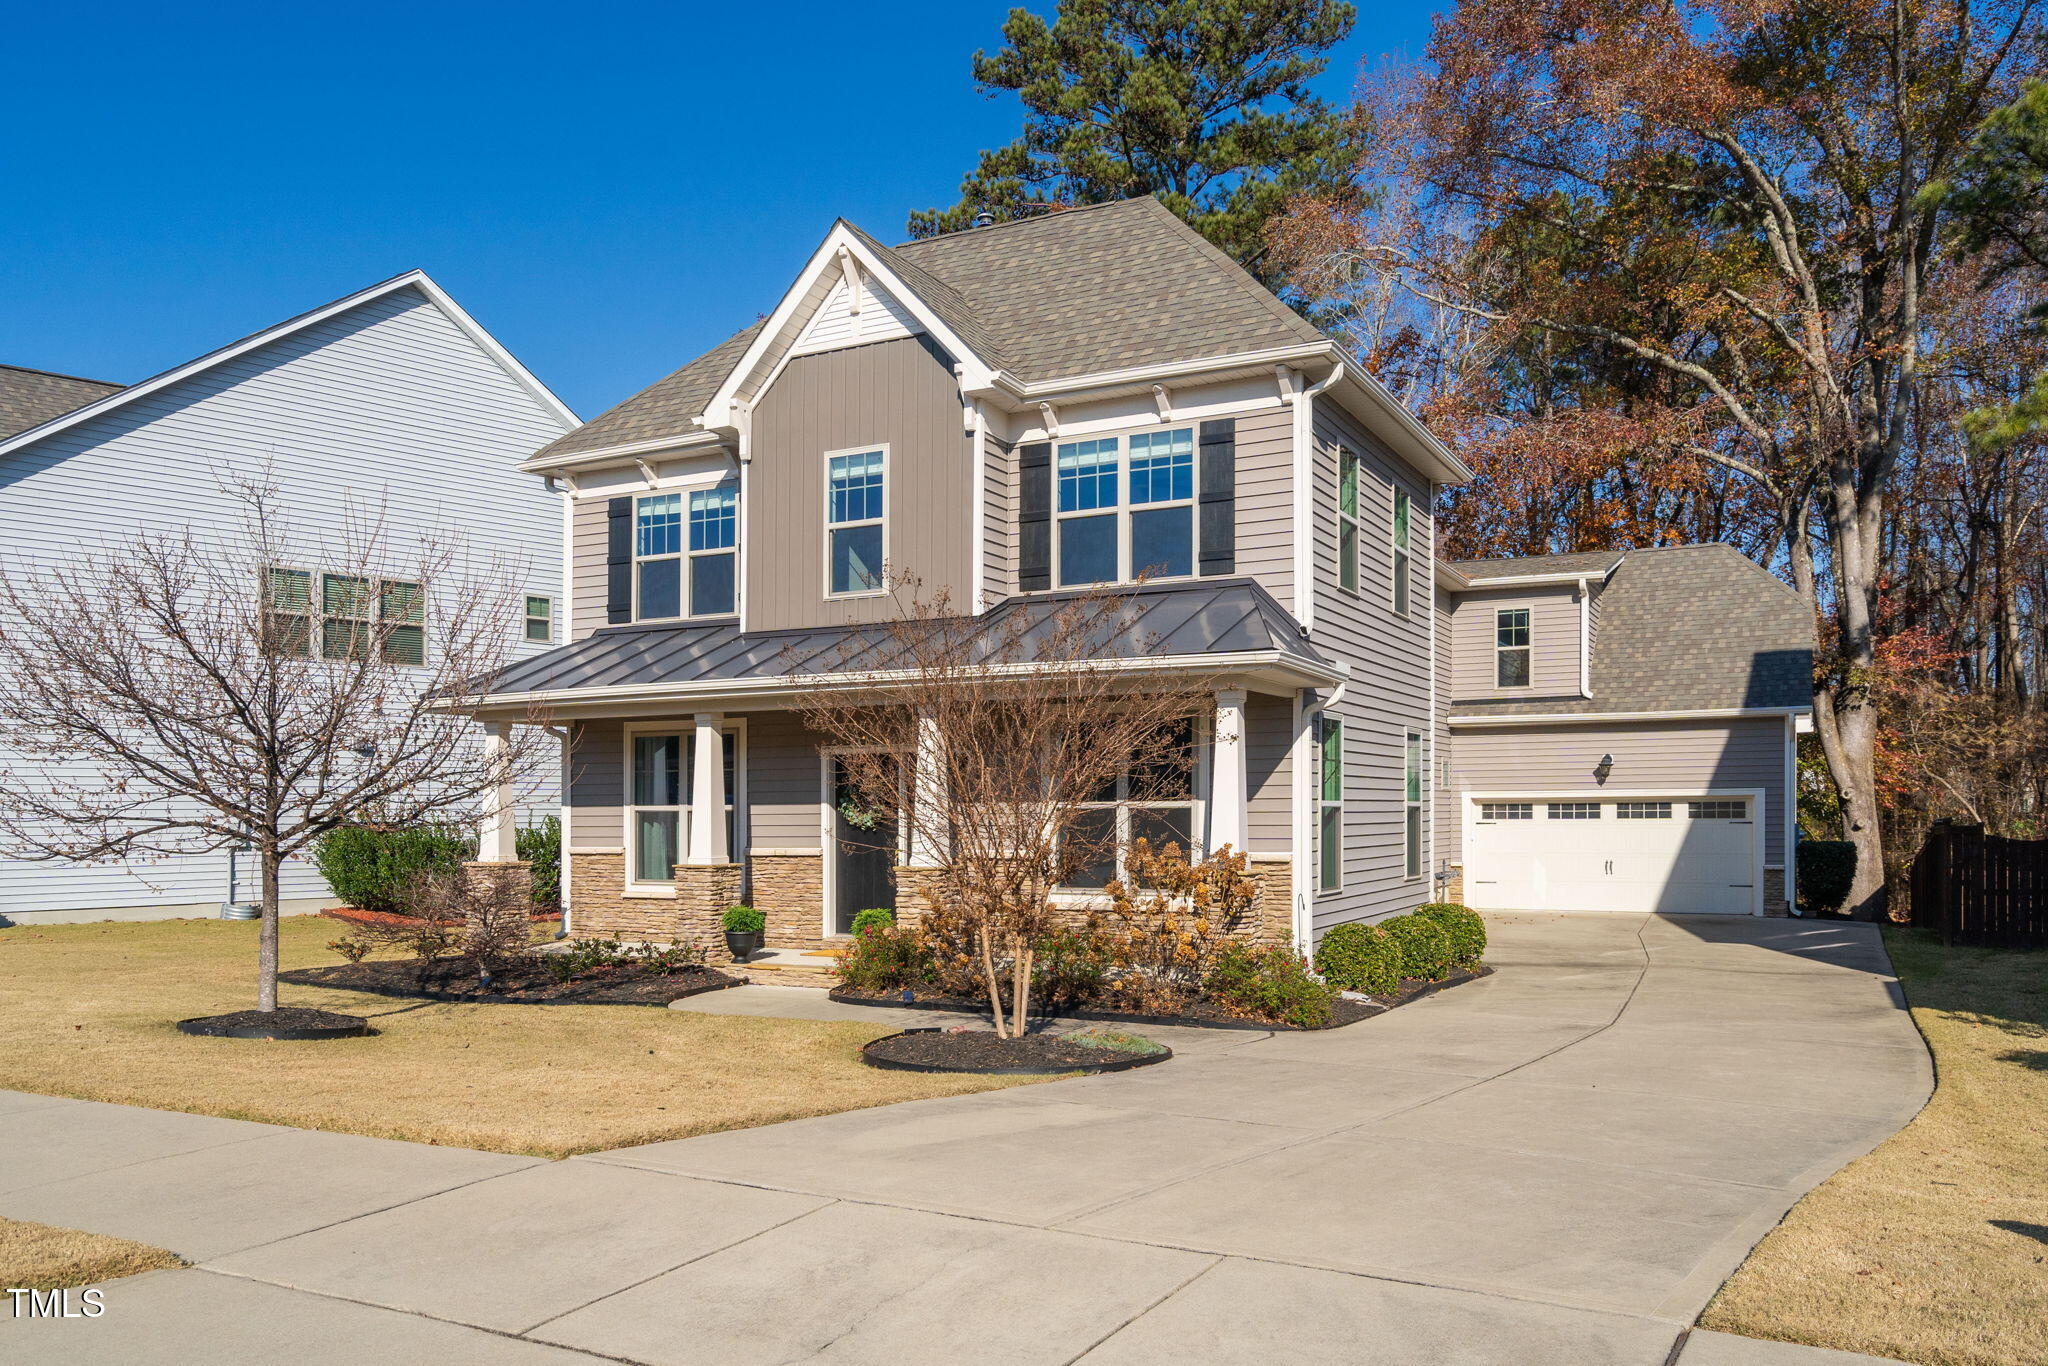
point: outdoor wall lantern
(1602, 769)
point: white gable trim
(855, 313)
(412, 279)
(722, 408)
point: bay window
(1125, 508)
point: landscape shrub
(1069, 966)
(373, 868)
(586, 957)
(873, 916)
(744, 920)
(1463, 929)
(883, 957)
(1356, 957)
(1167, 920)
(1826, 868)
(1267, 982)
(540, 846)
(1423, 947)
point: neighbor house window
(1511, 647)
(1330, 805)
(658, 814)
(346, 608)
(1347, 521)
(1401, 536)
(288, 612)
(683, 552)
(1122, 514)
(1152, 800)
(1411, 797)
(402, 621)
(854, 526)
(540, 619)
(1642, 811)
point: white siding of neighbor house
(388, 406)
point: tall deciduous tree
(1204, 103)
(1734, 197)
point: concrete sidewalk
(1558, 1164)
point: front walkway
(1558, 1164)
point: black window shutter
(1217, 533)
(1034, 517)
(618, 560)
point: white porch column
(707, 793)
(928, 795)
(1228, 794)
(500, 831)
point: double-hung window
(1125, 508)
(855, 526)
(354, 615)
(658, 814)
(683, 551)
(1511, 647)
(1411, 798)
(1330, 805)
(288, 612)
(540, 618)
(1152, 799)
(347, 609)
(402, 621)
(1401, 536)
(1347, 521)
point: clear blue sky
(609, 188)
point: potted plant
(744, 928)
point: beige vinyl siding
(893, 393)
(1269, 770)
(785, 782)
(1265, 500)
(1553, 642)
(1389, 657)
(588, 561)
(1649, 757)
(999, 519)
(597, 785)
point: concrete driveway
(1558, 1164)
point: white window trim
(554, 616)
(1351, 519)
(1198, 820)
(1323, 803)
(1500, 649)
(1397, 554)
(687, 573)
(735, 726)
(1413, 751)
(828, 827)
(825, 510)
(1124, 507)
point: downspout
(1585, 637)
(1306, 758)
(979, 509)
(1293, 393)
(743, 454)
(1434, 767)
(1790, 875)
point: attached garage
(1671, 853)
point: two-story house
(389, 405)
(1017, 411)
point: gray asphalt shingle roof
(1689, 628)
(1224, 616)
(29, 398)
(1104, 287)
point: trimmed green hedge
(1358, 957)
(1464, 931)
(1424, 948)
(369, 867)
(1269, 983)
(541, 847)
(874, 917)
(1826, 869)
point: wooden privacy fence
(1974, 888)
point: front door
(863, 855)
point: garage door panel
(1649, 861)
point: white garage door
(1676, 855)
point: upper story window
(540, 618)
(1401, 536)
(354, 615)
(856, 528)
(683, 553)
(1511, 647)
(1347, 521)
(1125, 508)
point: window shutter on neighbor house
(1034, 517)
(1216, 534)
(618, 560)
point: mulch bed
(286, 1022)
(980, 1051)
(451, 980)
(1197, 1014)
(383, 920)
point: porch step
(793, 967)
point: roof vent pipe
(984, 219)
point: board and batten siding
(1389, 658)
(388, 407)
(1649, 757)
(1553, 642)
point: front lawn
(43, 1257)
(1934, 1248)
(87, 1011)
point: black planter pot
(743, 946)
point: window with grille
(1403, 515)
(1153, 800)
(540, 618)
(1330, 811)
(1511, 647)
(288, 612)
(1124, 509)
(1507, 811)
(1717, 811)
(1574, 811)
(1642, 811)
(857, 542)
(684, 553)
(1347, 521)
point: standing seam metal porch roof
(1218, 617)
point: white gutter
(1069, 385)
(1580, 718)
(1538, 580)
(682, 445)
(1301, 401)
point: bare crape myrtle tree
(254, 691)
(1018, 757)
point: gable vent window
(1104, 537)
(1511, 647)
(855, 525)
(683, 553)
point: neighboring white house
(391, 400)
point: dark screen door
(865, 849)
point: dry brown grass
(42, 1257)
(1934, 1248)
(88, 1011)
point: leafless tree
(1017, 756)
(179, 695)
